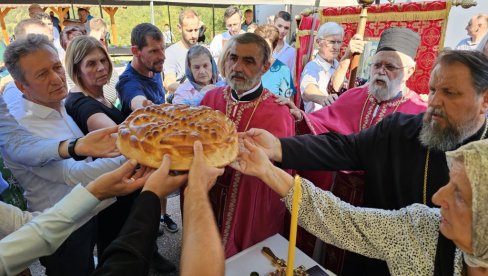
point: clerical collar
(250, 95)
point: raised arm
(202, 253)
(45, 233)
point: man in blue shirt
(141, 79)
(141, 82)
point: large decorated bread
(153, 131)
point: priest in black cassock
(402, 156)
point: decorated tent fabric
(429, 19)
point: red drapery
(429, 19)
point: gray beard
(386, 93)
(449, 138)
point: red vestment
(247, 210)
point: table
(251, 259)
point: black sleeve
(80, 108)
(131, 252)
(333, 151)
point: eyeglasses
(388, 67)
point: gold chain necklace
(426, 169)
(228, 108)
(366, 102)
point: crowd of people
(424, 208)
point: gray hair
(245, 38)
(22, 47)
(330, 28)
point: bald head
(32, 26)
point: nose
(440, 197)
(237, 66)
(434, 99)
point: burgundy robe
(247, 210)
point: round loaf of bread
(153, 131)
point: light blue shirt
(20, 144)
(3, 184)
(46, 185)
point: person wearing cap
(401, 154)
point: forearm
(278, 180)
(12, 218)
(312, 93)
(339, 75)
(45, 233)
(202, 252)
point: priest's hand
(294, 110)
(252, 160)
(202, 176)
(263, 139)
(161, 182)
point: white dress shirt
(46, 185)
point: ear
(180, 28)
(134, 50)
(409, 72)
(484, 104)
(266, 66)
(22, 87)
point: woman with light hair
(88, 65)
(415, 240)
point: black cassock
(393, 161)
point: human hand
(294, 110)
(161, 182)
(98, 143)
(356, 46)
(147, 103)
(201, 174)
(252, 161)
(263, 139)
(330, 99)
(119, 182)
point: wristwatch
(71, 150)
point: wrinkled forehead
(390, 57)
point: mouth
(380, 82)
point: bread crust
(151, 132)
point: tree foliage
(128, 17)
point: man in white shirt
(476, 28)
(233, 21)
(283, 51)
(174, 64)
(317, 73)
(38, 73)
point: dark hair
(67, 31)
(283, 15)
(230, 11)
(139, 34)
(248, 11)
(22, 47)
(476, 62)
(270, 32)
